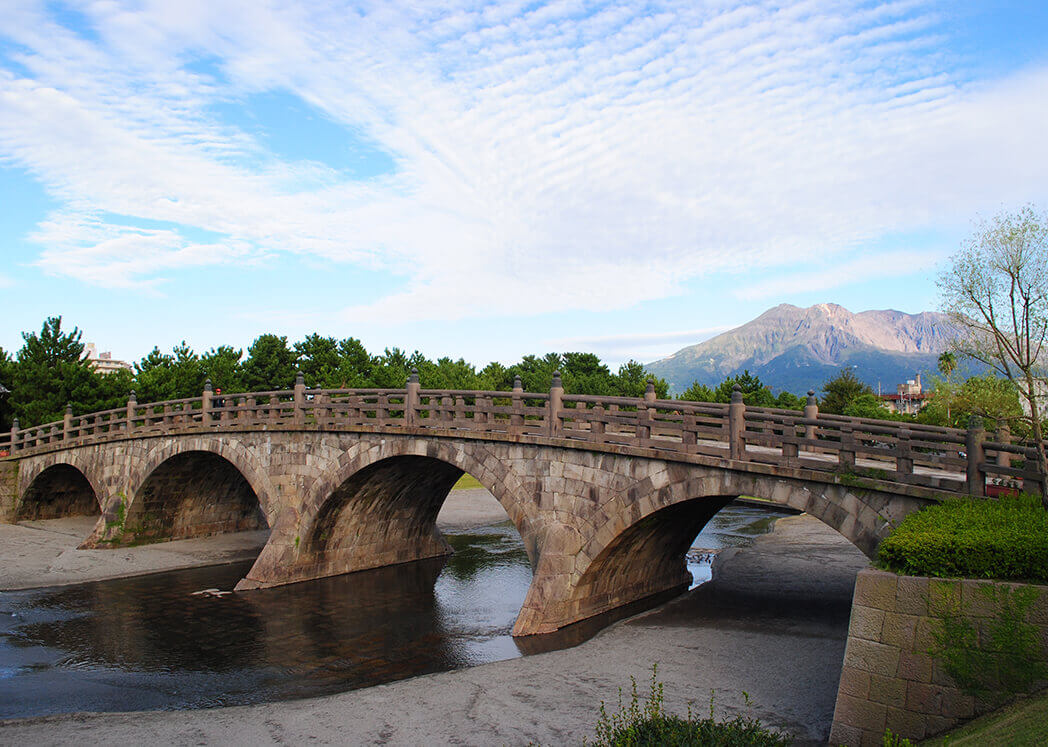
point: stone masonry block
(854, 682)
(912, 595)
(906, 724)
(876, 589)
(922, 698)
(888, 690)
(866, 622)
(872, 657)
(860, 713)
(915, 666)
(899, 630)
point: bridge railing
(944, 458)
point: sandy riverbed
(772, 622)
(44, 553)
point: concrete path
(772, 623)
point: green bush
(651, 726)
(1004, 539)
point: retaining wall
(891, 680)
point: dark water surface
(150, 643)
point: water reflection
(150, 643)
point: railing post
(903, 453)
(411, 399)
(846, 452)
(811, 412)
(973, 444)
(736, 425)
(649, 392)
(67, 422)
(556, 401)
(300, 398)
(205, 403)
(132, 403)
(14, 435)
(516, 419)
(1004, 436)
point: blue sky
(488, 180)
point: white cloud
(893, 264)
(549, 158)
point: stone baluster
(300, 398)
(789, 446)
(973, 445)
(132, 406)
(556, 402)
(811, 412)
(846, 452)
(904, 452)
(597, 424)
(516, 419)
(649, 392)
(14, 435)
(737, 425)
(205, 403)
(480, 410)
(1004, 436)
(67, 422)
(411, 399)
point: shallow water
(151, 643)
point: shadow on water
(151, 643)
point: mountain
(797, 349)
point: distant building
(908, 399)
(104, 363)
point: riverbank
(44, 553)
(785, 651)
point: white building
(104, 363)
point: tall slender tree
(996, 290)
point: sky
(489, 180)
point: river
(156, 642)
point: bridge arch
(58, 490)
(638, 550)
(188, 488)
(233, 452)
(396, 459)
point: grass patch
(1024, 722)
(467, 482)
(1005, 539)
(648, 725)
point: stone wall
(8, 491)
(890, 680)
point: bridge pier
(384, 514)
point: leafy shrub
(1003, 539)
(650, 726)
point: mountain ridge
(794, 349)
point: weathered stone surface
(920, 697)
(604, 525)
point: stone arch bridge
(606, 492)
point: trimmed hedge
(1004, 539)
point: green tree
(789, 401)
(754, 392)
(162, 377)
(536, 374)
(51, 372)
(356, 364)
(947, 364)
(494, 377)
(392, 368)
(270, 365)
(221, 366)
(841, 391)
(990, 397)
(996, 291)
(698, 393)
(320, 361)
(632, 381)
